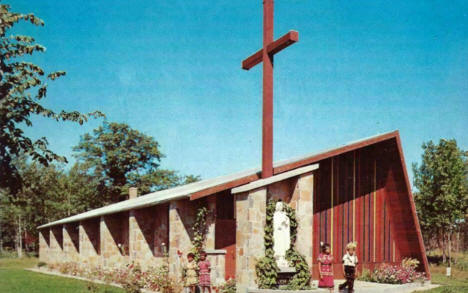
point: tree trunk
(1, 238)
(442, 246)
(19, 246)
(449, 249)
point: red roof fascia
(297, 164)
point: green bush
(365, 276)
(267, 272)
(8, 253)
(228, 287)
(266, 268)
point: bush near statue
(267, 269)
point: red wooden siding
(225, 231)
(361, 196)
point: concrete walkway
(369, 287)
(361, 287)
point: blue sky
(171, 69)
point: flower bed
(394, 274)
(130, 277)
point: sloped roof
(210, 186)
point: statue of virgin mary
(281, 235)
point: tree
(122, 157)
(441, 199)
(22, 87)
(40, 200)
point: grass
(457, 283)
(13, 278)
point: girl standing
(191, 275)
(325, 263)
(205, 270)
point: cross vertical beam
(267, 128)
(265, 55)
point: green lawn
(13, 278)
(458, 283)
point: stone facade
(147, 235)
(181, 219)
(217, 261)
(71, 242)
(250, 216)
(44, 243)
(114, 239)
(56, 245)
(303, 192)
(89, 242)
(297, 192)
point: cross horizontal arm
(288, 39)
(252, 60)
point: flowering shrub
(131, 277)
(226, 287)
(394, 274)
(69, 268)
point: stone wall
(298, 193)
(149, 235)
(90, 242)
(303, 194)
(44, 242)
(56, 245)
(217, 261)
(114, 239)
(146, 235)
(210, 222)
(181, 218)
(71, 242)
(143, 236)
(250, 216)
(283, 190)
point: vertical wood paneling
(357, 199)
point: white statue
(281, 237)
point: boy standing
(350, 262)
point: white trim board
(275, 178)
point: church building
(358, 192)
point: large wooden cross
(265, 55)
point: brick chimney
(132, 192)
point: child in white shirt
(350, 261)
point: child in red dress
(325, 264)
(204, 273)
